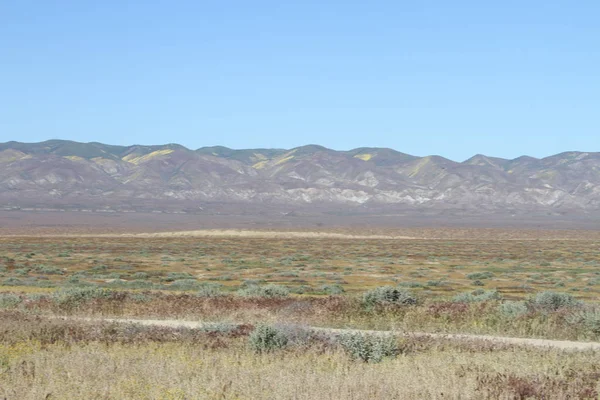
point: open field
(515, 283)
(310, 264)
(42, 358)
(404, 224)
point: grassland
(306, 266)
(66, 360)
(461, 281)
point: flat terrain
(68, 222)
(480, 313)
(513, 262)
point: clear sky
(453, 78)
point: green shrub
(289, 274)
(270, 291)
(388, 295)
(298, 335)
(43, 269)
(173, 276)
(9, 300)
(480, 275)
(140, 284)
(73, 297)
(139, 297)
(184, 284)
(298, 289)
(438, 282)
(369, 348)
(99, 268)
(588, 318)
(332, 290)
(553, 301)
(219, 327)
(209, 290)
(513, 309)
(22, 271)
(265, 338)
(477, 296)
(12, 282)
(222, 278)
(252, 282)
(410, 284)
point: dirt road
(541, 343)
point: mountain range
(59, 174)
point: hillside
(94, 176)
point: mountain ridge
(73, 175)
(224, 149)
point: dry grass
(56, 359)
(578, 323)
(306, 265)
(175, 371)
(66, 360)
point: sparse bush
(297, 335)
(389, 295)
(209, 290)
(369, 348)
(265, 338)
(68, 298)
(184, 284)
(513, 309)
(588, 318)
(140, 297)
(332, 290)
(12, 282)
(219, 327)
(289, 274)
(477, 296)
(174, 276)
(270, 291)
(140, 284)
(553, 301)
(480, 275)
(435, 283)
(252, 282)
(410, 284)
(99, 268)
(46, 270)
(298, 289)
(9, 300)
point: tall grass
(69, 360)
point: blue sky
(453, 78)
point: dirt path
(543, 343)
